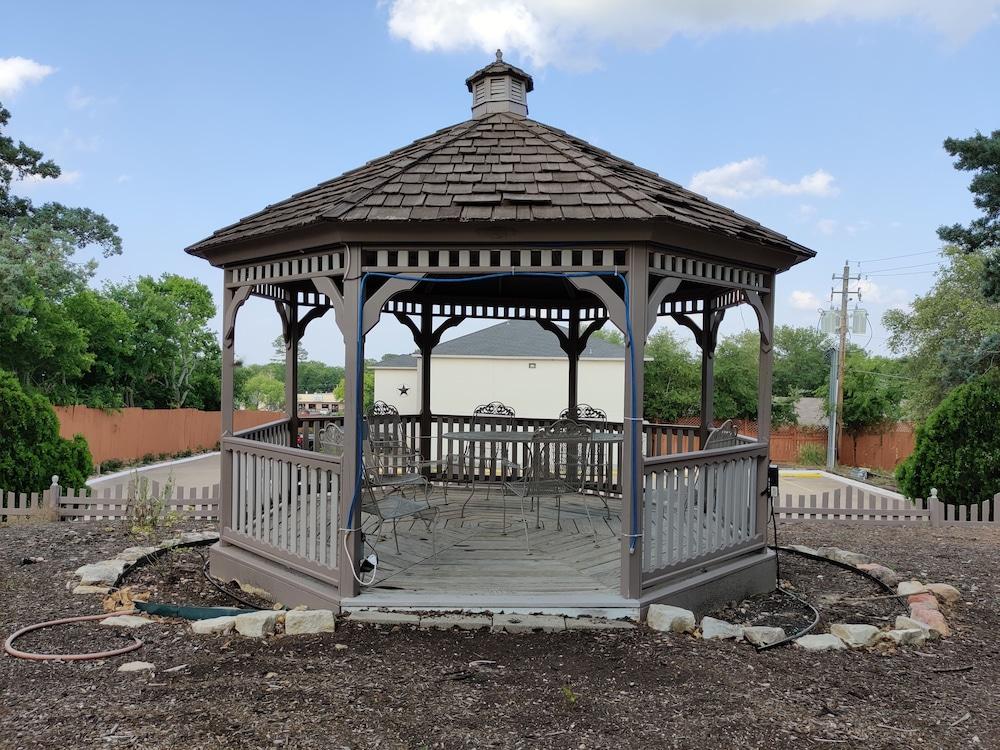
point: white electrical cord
(350, 560)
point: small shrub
(958, 446)
(147, 510)
(112, 465)
(569, 696)
(812, 454)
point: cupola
(499, 87)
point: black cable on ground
(235, 597)
(804, 631)
(846, 566)
(158, 552)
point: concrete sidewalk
(196, 471)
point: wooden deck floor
(480, 562)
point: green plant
(569, 696)
(958, 447)
(111, 465)
(147, 508)
(812, 454)
(31, 450)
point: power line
(896, 257)
(910, 273)
(934, 263)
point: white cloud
(872, 292)
(827, 226)
(18, 72)
(77, 100)
(67, 177)
(567, 32)
(804, 300)
(749, 179)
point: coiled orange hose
(8, 645)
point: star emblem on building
(403, 390)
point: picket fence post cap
(934, 492)
(55, 479)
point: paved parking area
(797, 482)
(197, 471)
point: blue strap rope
(359, 392)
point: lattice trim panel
(323, 264)
(706, 271)
(547, 259)
(495, 312)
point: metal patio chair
(393, 454)
(331, 440)
(389, 503)
(724, 436)
(559, 457)
(597, 466)
(492, 416)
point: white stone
(820, 642)
(908, 623)
(714, 629)
(131, 554)
(907, 637)
(855, 635)
(257, 624)
(88, 589)
(198, 536)
(512, 623)
(460, 621)
(378, 617)
(801, 548)
(668, 619)
(125, 621)
(597, 623)
(300, 622)
(137, 666)
(945, 592)
(104, 572)
(759, 635)
(214, 625)
(843, 556)
(909, 588)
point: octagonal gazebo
(500, 217)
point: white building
(516, 362)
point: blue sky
(822, 119)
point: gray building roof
(498, 167)
(512, 338)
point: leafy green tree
(317, 377)
(958, 446)
(110, 334)
(736, 361)
(368, 387)
(873, 391)
(801, 364)
(952, 334)
(672, 379)
(263, 391)
(980, 155)
(175, 358)
(31, 450)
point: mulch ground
(417, 689)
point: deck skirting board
(290, 587)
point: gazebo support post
(763, 305)
(349, 462)
(232, 300)
(291, 333)
(573, 352)
(707, 344)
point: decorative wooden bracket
(374, 304)
(763, 320)
(436, 334)
(664, 288)
(597, 286)
(564, 340)
(325, 286)
(309, 317)
(287, 323)
(240, 295)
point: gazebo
(500, 217)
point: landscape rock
(908, 637)
(513, 623)
(888, 576)
(257, 624)
(105, 572)
(843, 556)
(855, 635)
(933, 619)
(945, 592)
(668, 619)
(908, 588)
(820, 642)
(714, 629)
(198, 536)
(88, 589)
(214, 626)
(925, 600)
(378, 617)
(125, 621)
(801, 548)
(597, 623)
(908, 623)
(137, 666)
(301, 622)
(460, 621)
(131, 554)
(759, 635)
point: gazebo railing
(271, 433)
(282, 505)
(699, 507)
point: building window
(531, 365)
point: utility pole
(845, 295)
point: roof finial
(499, 87)
(499, 55)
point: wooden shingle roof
(498, 168)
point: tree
(672, 379)
(317, 377)
(175, 359)
(368, 388)
(263, 391)
(952, 334)
(873, 391)
(800, 360)
(279, 351)
(980, 155)
(31, 450)
(958, 447)
(736, 363)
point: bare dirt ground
(416, 689)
